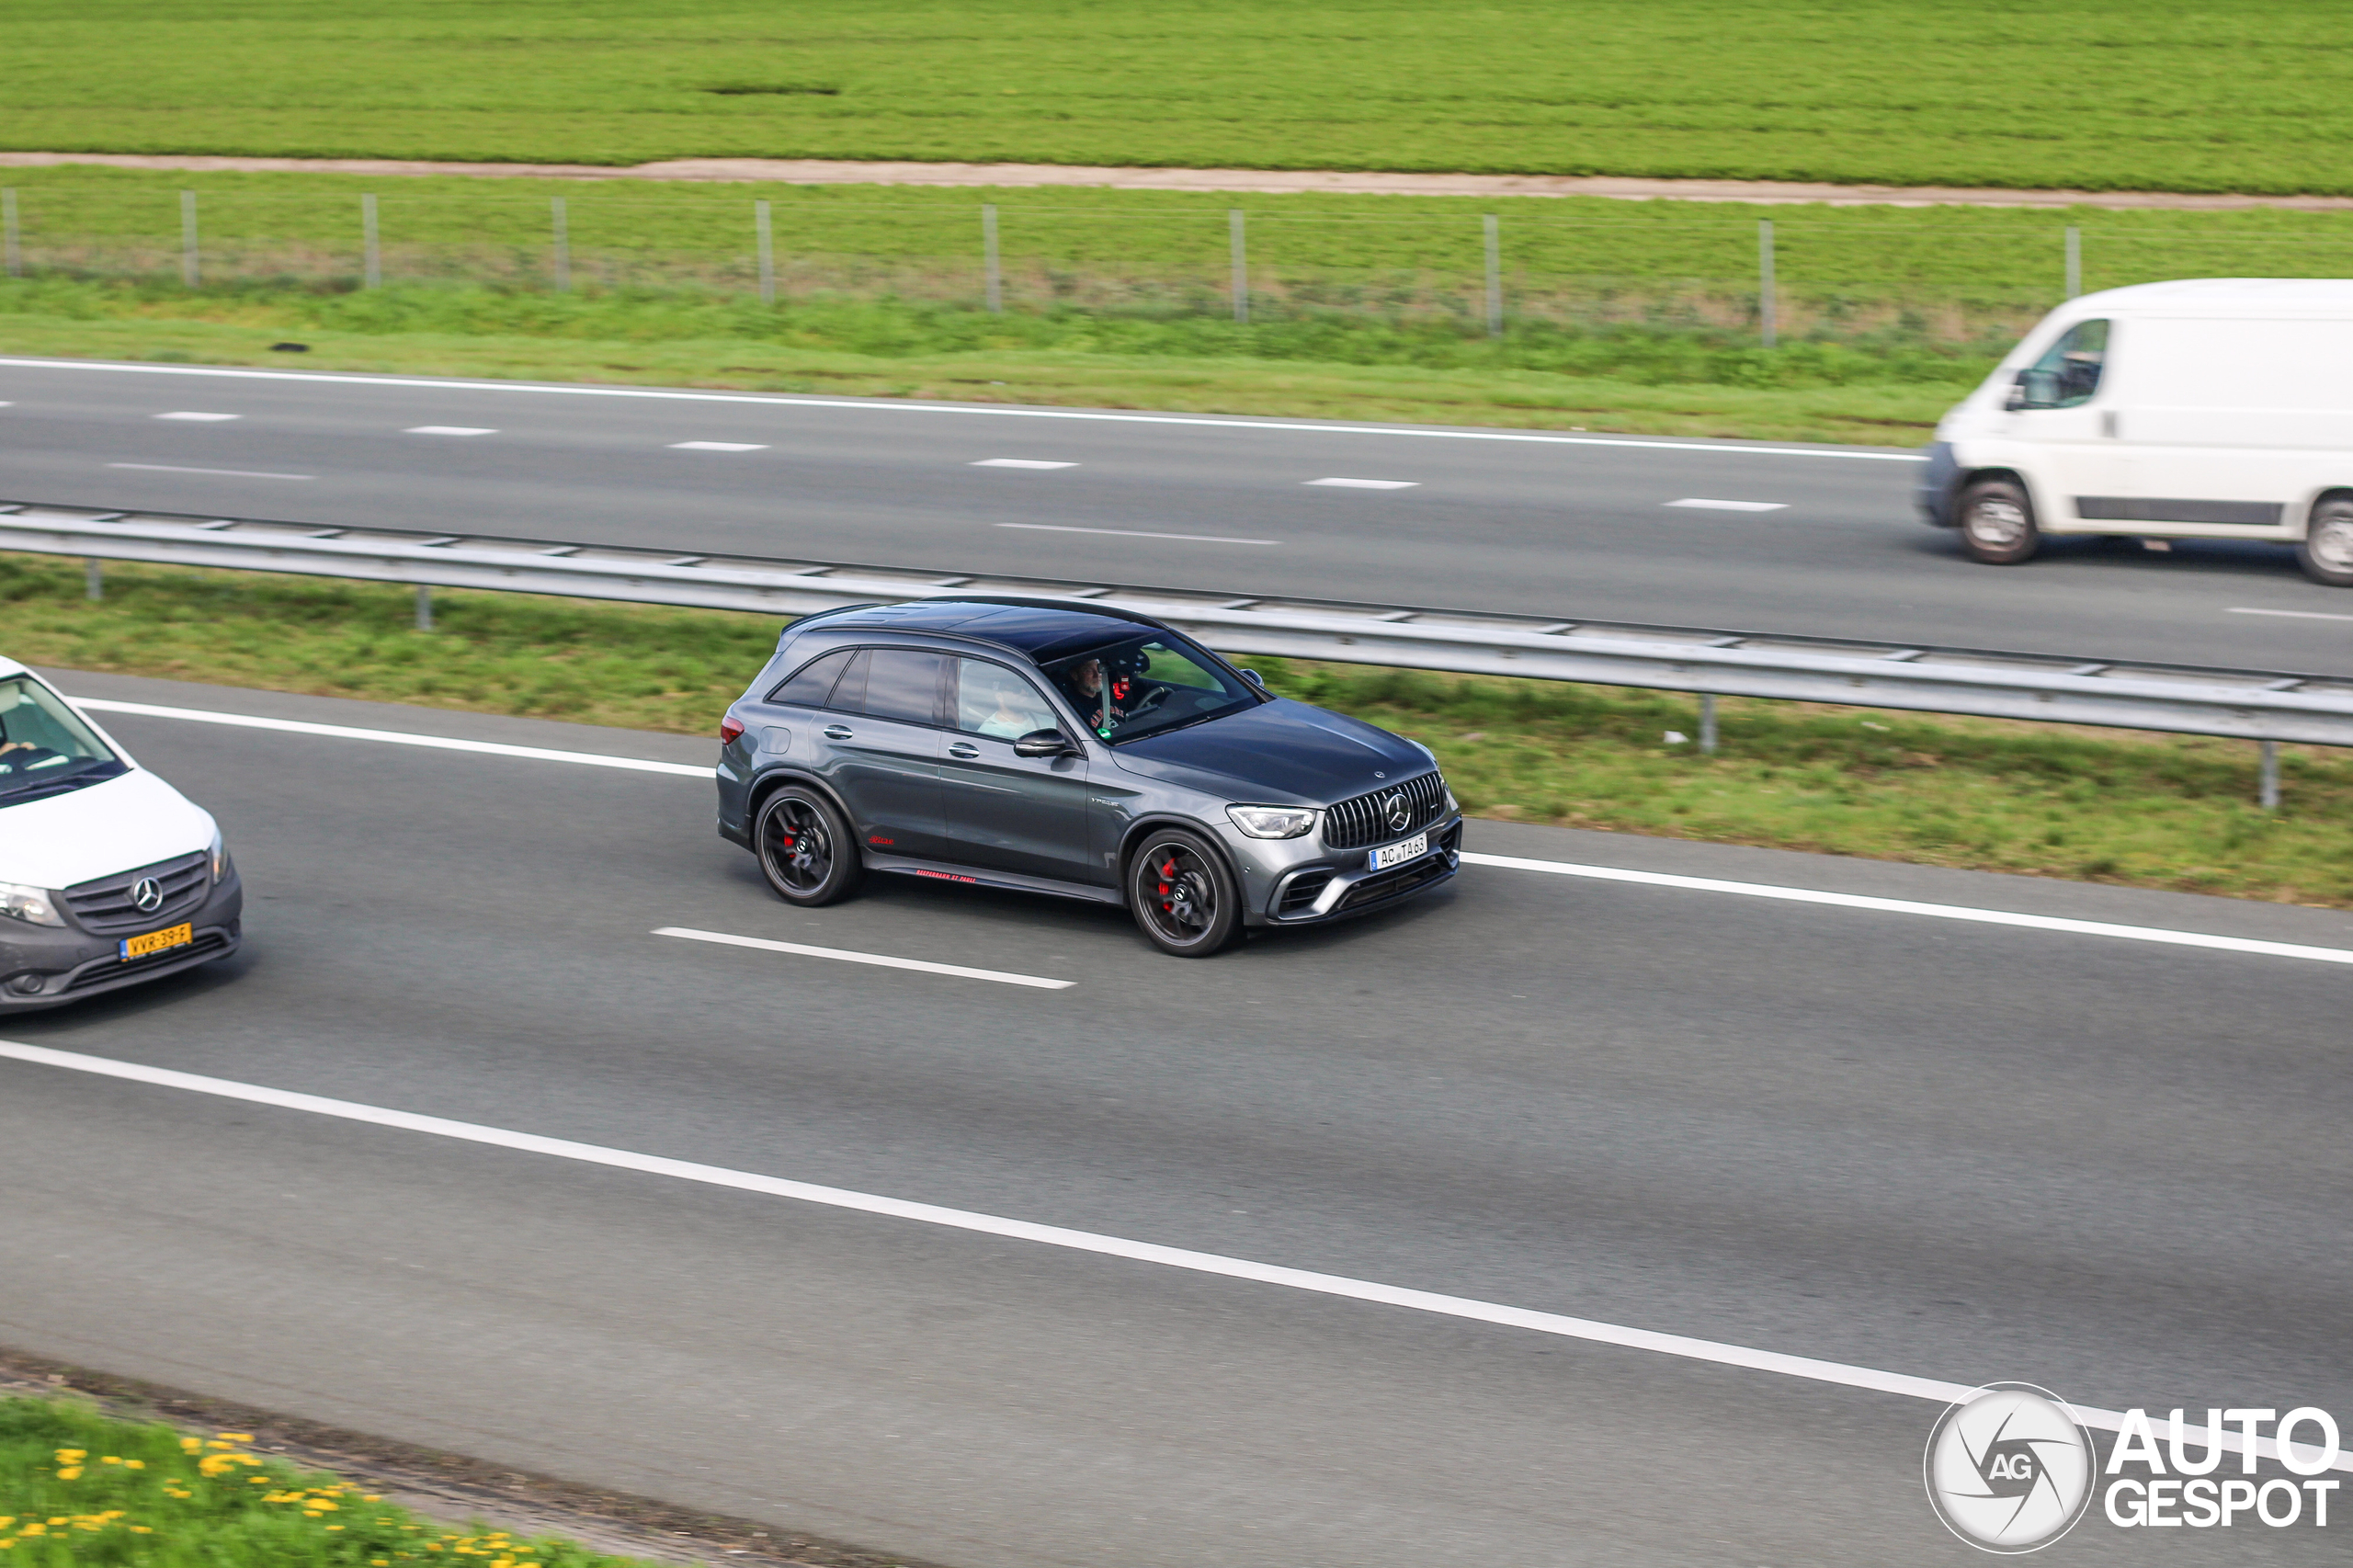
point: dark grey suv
(1069, 748)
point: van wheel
(2325, 552)
(1998, 523)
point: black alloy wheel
(1998, 523)
(804, 848)
(1183, 896)
(2325, 552)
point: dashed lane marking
(718, 446)
(449, 430)
(203, 418)
(1708, 1352)
(1020, 462)
(228, 473)
(1132, 533)
(2293, 614)
(390, 737)
(1368, 483)
(882, 960)
(1699, 504)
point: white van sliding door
(2232, 425)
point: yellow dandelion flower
(142, 1530)
(70, 1472)
(134, 1464)
(67, 1456)
(189, 1445)
(371, 1496)
(334, 1526)
(110, 1459)
(237, 1437)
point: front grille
(207, 944)
(1363, 821)
(105, 905)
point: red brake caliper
(1168, 876)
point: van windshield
(45, 748)
(1147, 684)
(2068, 373)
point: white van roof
(2274, 297)
(9, 667)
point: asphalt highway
(1788, 539)
(1930, 1147)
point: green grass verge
(83, 1489)
(2230, 95)
(2168, 811)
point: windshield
(1151, 684)
(44, 745)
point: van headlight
(1273, 821)
(34, 906)
(220, 857)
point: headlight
(220, 857)
(1273, 821)
(31, 905)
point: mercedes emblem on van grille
(148, 895)
(1394, 809)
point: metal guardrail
(2261, 705)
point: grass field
(83, 1489)
(2248, 95)
(2166, 811)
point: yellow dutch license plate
(157, 942)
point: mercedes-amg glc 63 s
(1063, 747)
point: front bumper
(71, 963)
(1299, 882)
(1938, 488)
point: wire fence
(1950, 275)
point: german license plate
(157, 942)
(1398, 853)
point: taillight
(729, 728)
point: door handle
(837, 731)
(964, 751)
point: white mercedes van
(108, 876)
(2214, 408)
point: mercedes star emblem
(148, 895)
(1394, 809)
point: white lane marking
(1713, 1352)
(1702, 505)
(207, 418)
(230, 473)
(393, 737)
(1368, 483)
(1933, 911)
(449, 430)
(881, 960)
(1507, 862)
(2297, 614)
(1020, 462)
(1132, 533)
(893, 406)
(718, 446)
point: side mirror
(2015, 399)
(1044, 742)
(1254, 679)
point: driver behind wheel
(1130, 694)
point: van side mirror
(2016, 398)
(1045, 743)
(1254, 679)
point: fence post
(373, 256)
(1241, 265)
(1765, 281)
(562, 245)
(191, 272)
(1495, 276)
(766, 234)
(94, 579)
(2074, 261)
(9, 232)
(989, 257)
(1708, 723)
(2268, 789)
(424, 607)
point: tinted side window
(810, 686)
(2068, 373)
(900, 683)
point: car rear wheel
(1185, 899)
(804, 848)
(1998, 523)
(2325, 552)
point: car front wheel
(805, 849)
(1185, 899)
(2325, 552)
(1998, 523)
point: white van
(108, 876)
(2215, 408)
